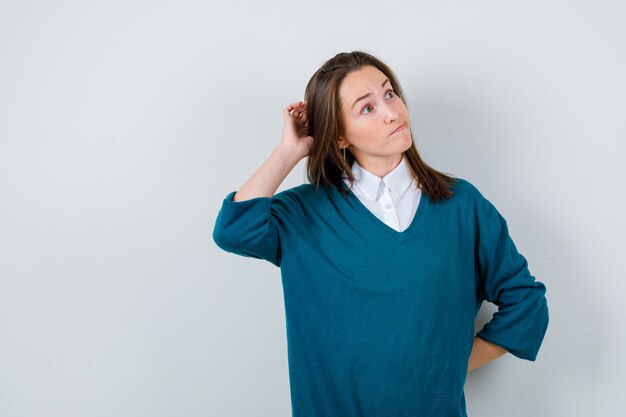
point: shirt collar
(398, 180)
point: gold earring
(344, 153)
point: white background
(123, 125)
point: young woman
(384, 260)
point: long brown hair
(325, 163)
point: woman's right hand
(295, 136)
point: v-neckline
(384, 227)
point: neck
(381, 166)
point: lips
(401, 127)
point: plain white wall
(123, 125)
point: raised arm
(248, 222)
(293, 146)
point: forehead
(360, 82)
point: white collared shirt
(393, 199)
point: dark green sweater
(380, 323)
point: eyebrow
(368, 94)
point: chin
(408, 144)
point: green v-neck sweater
(381, 322)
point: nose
(391, 114)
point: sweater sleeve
(251, 227)
(521, 321)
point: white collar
(398, 180)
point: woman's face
(370, 122)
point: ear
(342, 143)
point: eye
(367, 106)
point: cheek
(401, 108)
(360, 129)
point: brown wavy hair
(325, 163)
